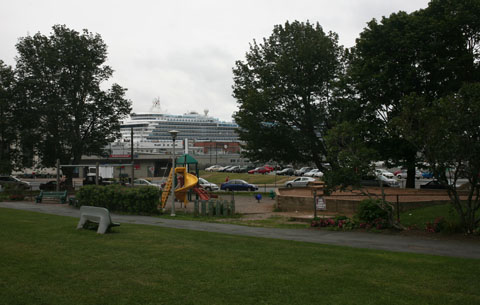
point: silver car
(299, 182)
(208, 185)
(144, 182)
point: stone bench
(96, 215)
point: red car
(270, 168)
(260, 170)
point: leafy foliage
(351, 148)
(429, 53)
(65, 112)
(14, 191)
(371, 210)
(8, 122)
(284, 90)
(450, 142)
(136, 200)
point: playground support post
(173, 133)
(131, 153)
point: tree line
(53, 105)
(408, 93)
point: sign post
(318, 201)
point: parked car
(232, 169)
(91, 179)
(269, 167)
(427, 175)
(50, 186)
(259, 170)
(299, 182)
(213, 168)
(402, 174)
(434, 184)
(380, 179)
(225, 168)
(11, 180)
(208, 185)
(384, 172)
(244, 168)
(286, 171)
(238, 185)
(302, 171)
(144, 182)
(314, 173)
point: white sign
(151, 169)
(320, 204)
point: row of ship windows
(230, 139)
(166, 130)
(211, 125)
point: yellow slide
(189, 181)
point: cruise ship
(196, 132)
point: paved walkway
(465, 249)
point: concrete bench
(60, 195)
(96, 215)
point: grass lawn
(44, 260)
(418, 217)
(258, 179)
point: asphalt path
(385, 242)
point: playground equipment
(187, 182)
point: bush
(369, 211)
(338, 223)
(14, 191)
(136, 200)
(438, 225)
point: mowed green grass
(45, 260)
(419, 217)
(258, 179)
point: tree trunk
(411, 171)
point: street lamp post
(173, 133)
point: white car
(299, 182)
(403, 174)
(144, 182)
(213, 168)
(389, 181)
(314, 173)
(383, 172)
(208, 185)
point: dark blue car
(238, 185)
(427, 175)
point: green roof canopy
(186, 159)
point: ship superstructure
(151, 131)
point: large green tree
(284, 89)
(8, 123)
(430, 53)
(450, 142)
(66, 113)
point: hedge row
(136, 200)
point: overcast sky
(183, 51)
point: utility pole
(131, 155)
(173, 133)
